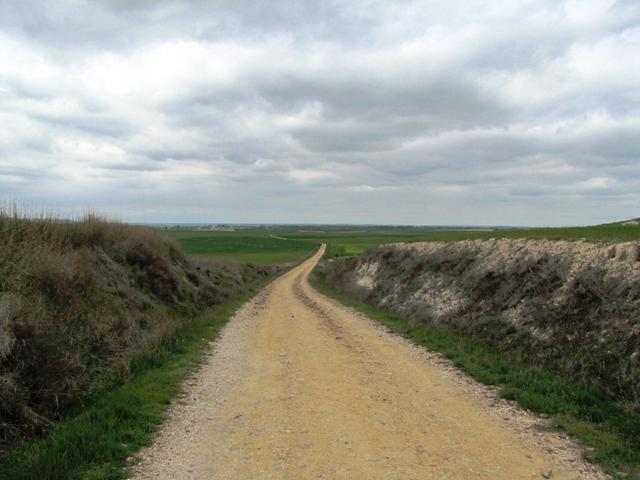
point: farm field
(290, 243)
(242, 246)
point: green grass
(255, 247)
(258, 245)
(95, 443)
(611, 433)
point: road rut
(301, 387)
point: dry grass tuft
(80, 300)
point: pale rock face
(439, 295)
(366, 275)
(550, 299)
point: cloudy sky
(425, 112)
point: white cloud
(597, 183)
(310, 176)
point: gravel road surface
(301, 387)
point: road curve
(301, 387)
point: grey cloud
(92, 124)
(456, 102)
(23, 173)
(356, 115)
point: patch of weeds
(95, 443)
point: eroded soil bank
(574, 306)
(80, 302)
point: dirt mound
(573, 306)
(79, 301)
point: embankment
(80, 302)
(570, 306)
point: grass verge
(610, 434)
(95, 443)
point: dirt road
(300, 387)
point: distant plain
(282, 244)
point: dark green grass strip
(611, 434)
(96, 443)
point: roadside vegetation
(610, 433)
(96, 441)
(84, 306)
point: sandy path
(300, 387)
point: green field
(251, 246)
(289, 244)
